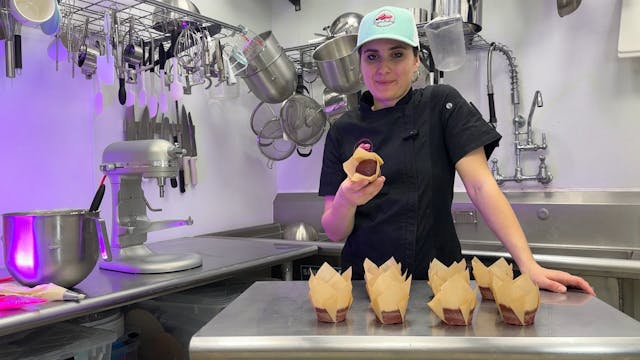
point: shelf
(143, 11)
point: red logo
(384, 18)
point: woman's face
(387, 68)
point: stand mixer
(126, 163)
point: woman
(424, 136)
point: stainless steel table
(222, 258)
(276, 320)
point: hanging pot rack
(142, 10)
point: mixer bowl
(55, 246)
(339, 64)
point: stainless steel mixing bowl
(58, 246)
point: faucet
(543, 176)
(537, 101)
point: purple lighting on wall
(20, 250)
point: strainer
(303, 120)
(262, 114)
(272, 143)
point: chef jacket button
(449, 106)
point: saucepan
(58, 246)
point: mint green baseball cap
(388, 22)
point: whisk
(188, 49)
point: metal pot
(275, 83)
(339, 64)
(58, 246)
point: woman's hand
(557, 281)
(339, 210)
(359, 192)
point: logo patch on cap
(384, 18)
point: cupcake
(363, 164)
(388, 290)
(439, 273)
(455, 302)
(517, 299)
(330, 293)
(484, 275)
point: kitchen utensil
(8, 25)
(300, 231)
(188, 50)
(162, 97)
(153, 97)
(17, 45)
(142, 90)
(275, 83)
(58, 246)
(133, 46)
(144, 124)
(346, 23)
(339, 64)
(334, 104)
(303, 120)
(98, 100)
(261, 115)
(194, 152)
(120, 70)
(97, 198)
(566, 7)
(32, 12)
(129, 123)
(185, 140)
(272, 143)
(446, 41)
(130, 98)
(176, 91)
(167, 21)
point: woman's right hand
(359, 192)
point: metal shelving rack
(77, 11)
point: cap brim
(388, 36)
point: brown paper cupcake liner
(509, 317)
(455, 317)
(323, 315)
(390, 317)
(486, 293)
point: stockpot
(57, 246)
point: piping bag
(48, 292)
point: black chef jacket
(420, 140)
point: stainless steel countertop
(222, 258)
(276, 320)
